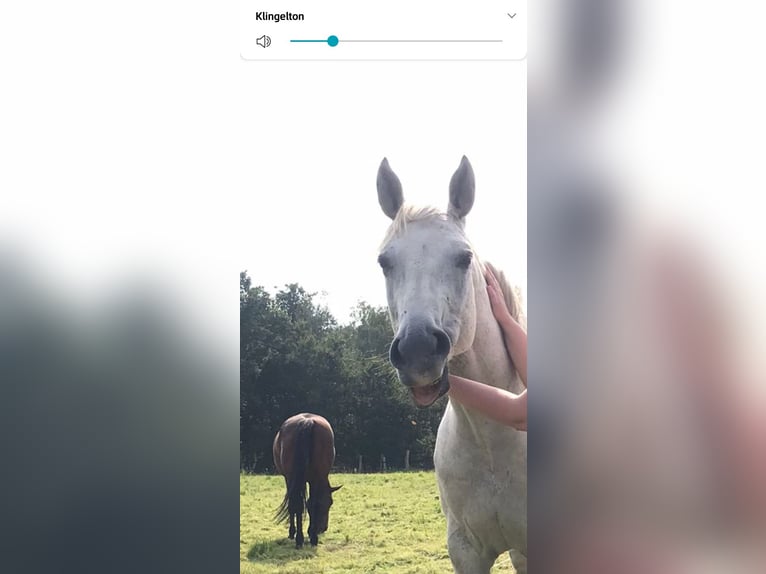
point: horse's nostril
(442, 343)
(396, 357)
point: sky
(308, 195)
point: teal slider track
(331, 41)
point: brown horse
(304, 452)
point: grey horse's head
(430, 273)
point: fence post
(407, 460)
(383, 462)
(360, 463)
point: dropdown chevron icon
(511, 15)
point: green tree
(295, 357)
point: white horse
(443, 322)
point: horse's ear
(390, 194)
(462, 189)
(334, 488)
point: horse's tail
(283, 511)
(294, 501)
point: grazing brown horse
(304, 452)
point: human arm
(498, 404)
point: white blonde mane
(408, 214)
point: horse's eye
(385, 263)
(463, 260)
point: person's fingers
(494, 298)
(497, 301)
(489, 276)
(491, 279)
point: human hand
(497, 300)
(513, 334)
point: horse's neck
(487, 360)
(319, 485)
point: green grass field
(379, 523)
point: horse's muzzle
(421, 350)
(426, 395)
(419, 353)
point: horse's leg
(313, 538)
(312, 523)
(465, 558)
(299, 532)
(519, 561)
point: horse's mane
(409, 214)
(512, 295)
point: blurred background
(647, 443)
(118, 378)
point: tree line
(295, 357)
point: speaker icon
(263, 41)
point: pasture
(389, 522)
